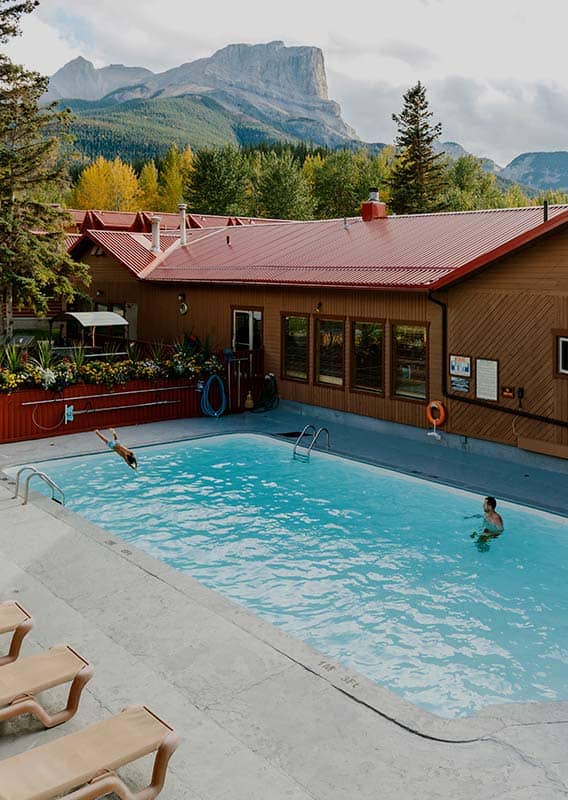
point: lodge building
(376, 315)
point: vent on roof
(155, 234)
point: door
(247, 330)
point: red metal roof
(423, 251)
(416, 252)
(133, 250)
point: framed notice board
(486, 379)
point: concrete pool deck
(262, 715)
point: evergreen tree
(34, 264)
(279, 188)
(218, 182)
(419, 175)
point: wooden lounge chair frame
(43, 671)
(14, 618)
(70, 768)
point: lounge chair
(14, 618)
(22, 679)
(81, 766)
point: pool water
(375, 569)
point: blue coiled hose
(206, 405)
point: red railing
(37, 413)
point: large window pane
(409, 361)
(563, 354)
(329, 351)
(295, 348)
(367, 356)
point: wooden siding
(508, 313)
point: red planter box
(37, 413)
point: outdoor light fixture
(181, 297)
(99, 293)
(318, 307)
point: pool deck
(261, 715)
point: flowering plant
(186, 359)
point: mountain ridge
(243, 94)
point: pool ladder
(307, 450)
(45, 478)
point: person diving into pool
(117, 447)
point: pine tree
(419, 175)
(219, 181)
(34, 264)
(279, 188)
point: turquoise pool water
(373, 568)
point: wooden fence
(37, 413)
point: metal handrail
(314, 440)
(45, 478)
(301, 436)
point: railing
(45, 478)
(315, 436)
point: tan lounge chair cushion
(39, 672)
(71, 761)
(11, 615)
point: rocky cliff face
(279, 85)
(80, 79)
(541, 170)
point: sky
(494, 70)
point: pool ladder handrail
(315, 436)
(45, 478)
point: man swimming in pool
(492, 525)
(493, 520)
(123, 452)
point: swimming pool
(373, 568)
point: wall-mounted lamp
(99, 292)
(318, 307)
(181, 297)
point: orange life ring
(435, 406)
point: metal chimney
(545, 210)
(182, 229)
(155, 234)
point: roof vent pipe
(155, 234)
(545, 209)
(182, 228)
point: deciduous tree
(110, 185)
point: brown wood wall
(508, 312)
(511, 312)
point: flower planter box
(39, 413)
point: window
(563, 355)
(329, 351)
(295, 348)
(409, 361)
(247, 330)
(367, 356)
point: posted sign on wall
(486, 379)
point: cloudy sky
(495, 70)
